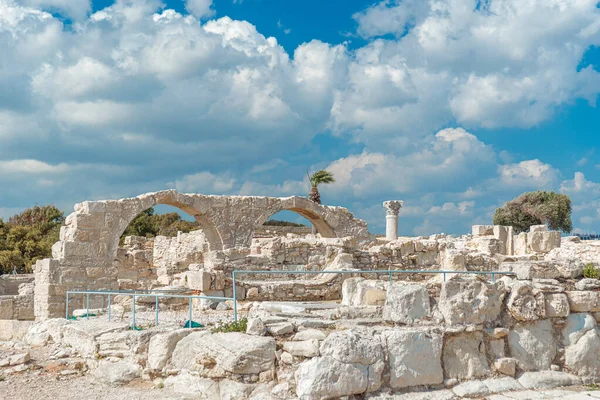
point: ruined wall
(84, 257)
(135, 269)
(16, 297)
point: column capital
(393, 206)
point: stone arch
(170, 197)
(306, 208)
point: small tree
(319, 177)
(536, 208)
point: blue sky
(454, 106)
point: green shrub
(590, 271)
(239, 326)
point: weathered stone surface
(583, 357)
(351, 347)
(557, 305)
(326, 377)
(213, 355)
(471, 389)
(505, 384)
(533, 269)
(506, 366)
(256, 327)
(305, 348)
(584, 301)
(465, 358)
(543, 242)
(43, 332)
(117, 373)
(81, 337)
(406, 303)
(533, 345)
(470, 301)
(309, 334)
(497, 348)
(161, 347)
(187, 384)
(362, 292)
(577, 325)
(547, 379)
(232, 390)
(414, 357)
(281, 328)
(588, 284)
(13, 329)
(526, 303)
(443, 394)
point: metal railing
(139, 293)
(370, 271)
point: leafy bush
(239, 326)
(148, 224)
(536, 208)
(275, 222)
(590, 271)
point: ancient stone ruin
(466, 316)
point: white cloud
(75, 9)
(30, 167)
(585, 197)
(204, 182)
(529, 173)
(200, 8)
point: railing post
(234, 297)
(133, 311)
(109, 306)
(190, 319)
(493, 277)
(87, 306)
(444, 276)
(156, 302)
(67, 312)
(391, 278)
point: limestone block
(14, 330)
(6, 307)
(326, 377)
(471, 389)
(280, 328)
(533, 344)
(198, 280)
(161, 347)
(482, 230)
(256, 327)
(190, 385)
(526, 303)
(520, 244)
(362, 292)
(353, 348)
(232, 390)
(557, 305)
(414, 358)
(569, 268)
(584, 300)
(543, 242)
(116, 373)
(547, 379)
(533, 270)
(506, 366)
(583, 357)
(588, 284)
(466, 300)
(465, 358)
(576, 326)
(81, 337)
(309, 334)
(504, 234)
(214, 355)
(406, 303)
(305, 348)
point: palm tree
(319, 177)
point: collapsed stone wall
(16, 297)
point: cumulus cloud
(585, 196)
(74, 9)
(529, 173)
(200, 8)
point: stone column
(391, 219)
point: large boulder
(577, 325)
(465, 357)
(557, 305)
(117, 373)
(583, 357)
(526, 303)
(351, 347)
(326, 377)
(470, 300)
(221, 354)
(82, 336)
(161, 347)
(187, 384)
(533, 344)
(406, 302)
(584, 300)
(415, 357)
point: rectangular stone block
(6, 307)
(199, 280)
(543, 242)
(583, 300)
(520, 244)
(538, 228)
(482, 230)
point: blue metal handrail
(134, 294)
(370, 271)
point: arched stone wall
(83, 257)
